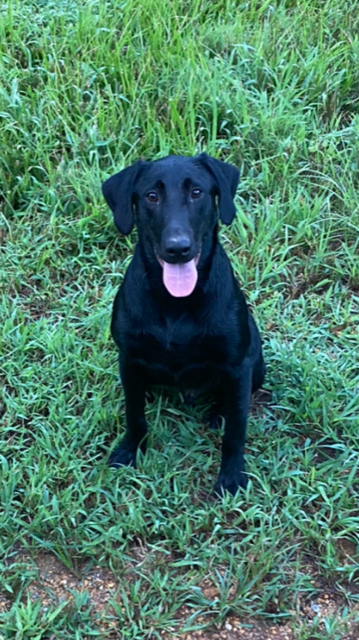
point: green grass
(85, 89)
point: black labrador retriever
(180, 317)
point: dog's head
(174, 203)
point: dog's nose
(177, 247)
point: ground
(86, 551)
(55, 586)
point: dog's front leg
(133, 379)
(237, 393)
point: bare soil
(54, 584)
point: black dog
(179, 317)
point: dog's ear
(227, 178)
(118, 192)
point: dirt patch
(54, 584)
(234, 629)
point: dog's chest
(177, 352)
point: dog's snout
(177, 247)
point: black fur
(204, 342)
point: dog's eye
(195, 193)
(152, 196)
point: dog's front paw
(123, 456)
(231, 483)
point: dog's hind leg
(259, 372)
(256, 356)
(216, 414)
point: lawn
(87, 87)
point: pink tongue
(180, 279)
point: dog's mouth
(180, 279)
